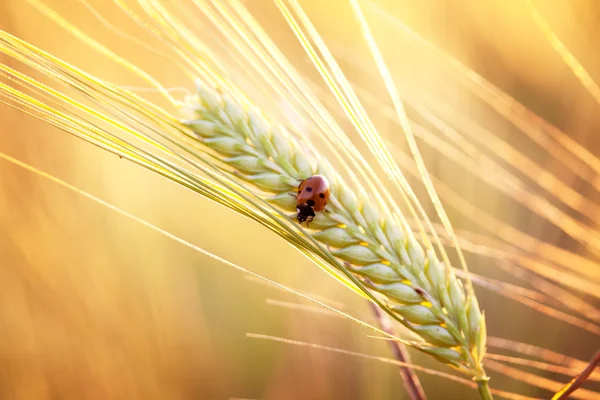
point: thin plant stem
(484, 389)
(576, 382)
(412, 384)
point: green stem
(484, 389)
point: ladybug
(313, 195)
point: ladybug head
(305, 213)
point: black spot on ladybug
(311, 203)
(322, 195)
(309, 178)
(309, 189)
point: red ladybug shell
(314, 192)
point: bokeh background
(96, 306)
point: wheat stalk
(413, 285)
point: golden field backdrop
(96, 306)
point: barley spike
(416, 288)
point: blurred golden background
(96, 306)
